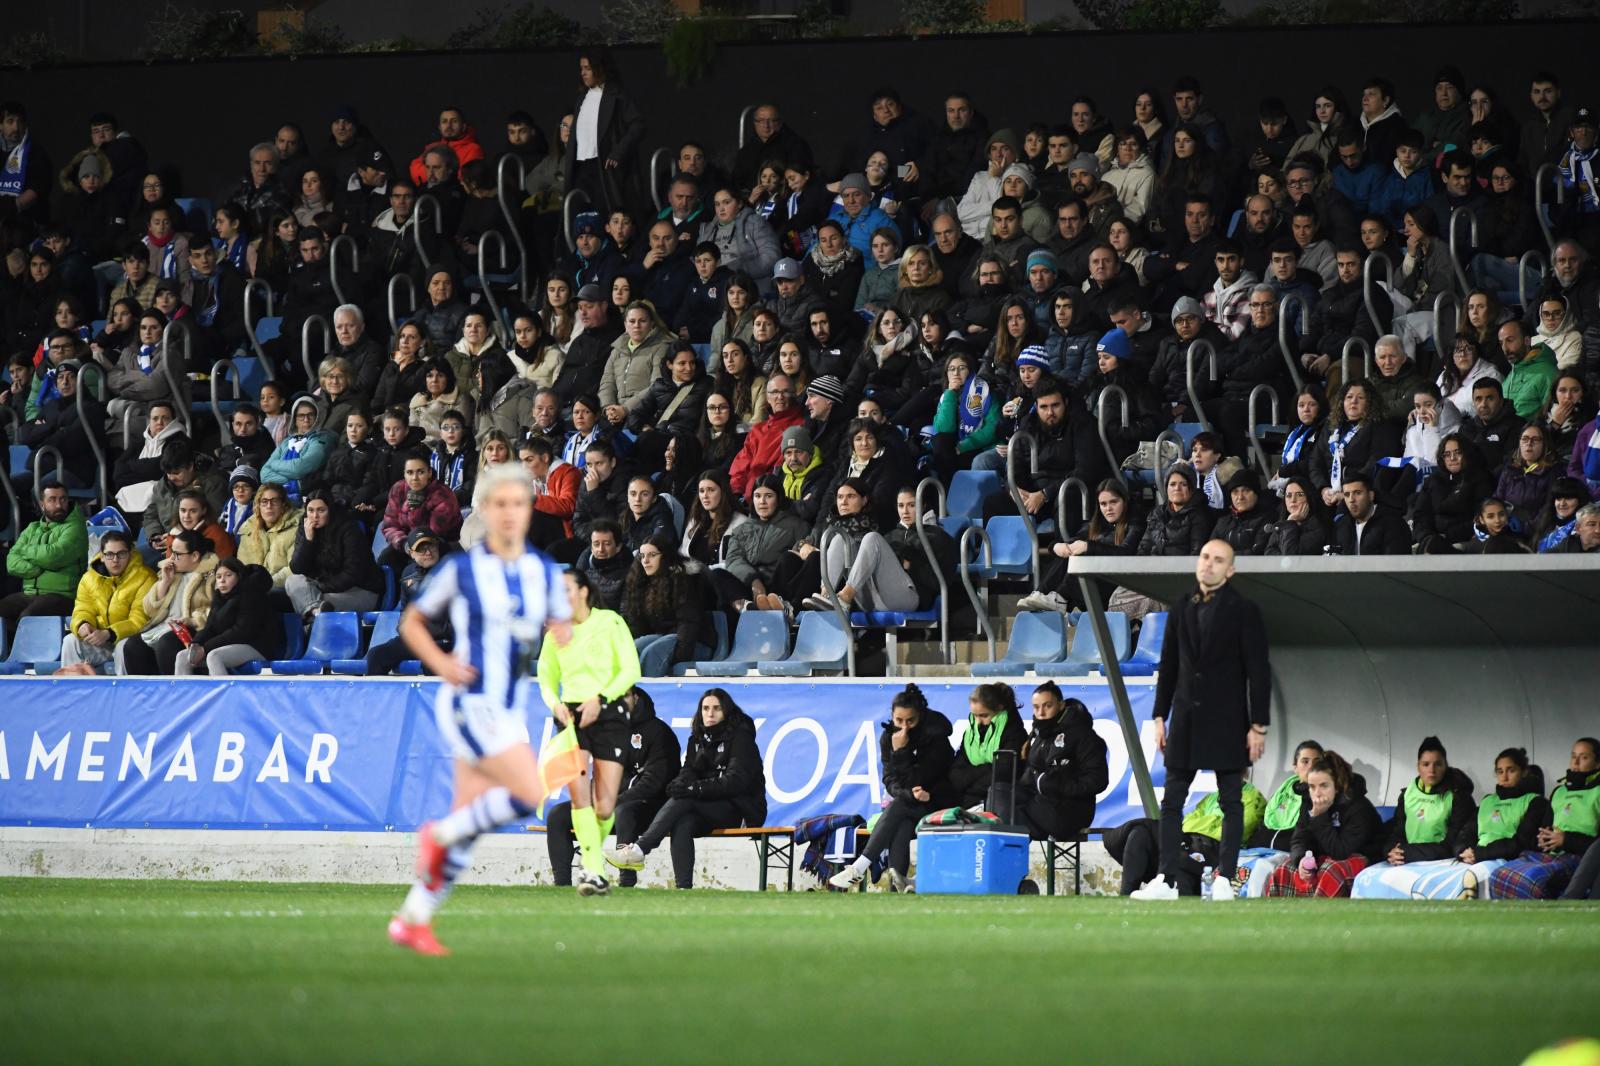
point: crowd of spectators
(785, 348)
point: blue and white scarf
(1211, 485)
(234, 254)
(1591, 460)
(449, 469)
(577, 444)
(1577, 174)
(1297, 440)
(147, 357)
(292, 447)
(15, 172)
(1337, 442)
(234, 514)
(1554, 539)
(972, 405)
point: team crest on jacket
(719, 748)
(636, 741)
(1495, 815)
(1061, 740)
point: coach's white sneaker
(1158, 888)
(847, 878)
(626, 856)
(1222, 890)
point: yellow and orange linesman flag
(560, 763)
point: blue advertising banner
(364, 754)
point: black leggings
(1046, 819)
(683, 820)
(1141, 857)
(795, 578)
(563, 844)
(1585, 883)
(158, 661)
(896, 826)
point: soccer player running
(500, 596)
(584, 681)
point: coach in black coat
(1215, 687)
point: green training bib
(1498, 818)
(1427, 814)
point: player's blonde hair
(503, 474)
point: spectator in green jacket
(1533, 369)
(49, 558)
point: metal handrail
(417, 214)
(1015, 445)
(933, 559)
(511, 218)
(1201, 346)
(219, 374)
(833, 595)
(39, 454)
(1161, 475)
(250, 325)
(411, 298)
(744, 122)
(1251, 426)
(1522, 274)
(1289, 359)
(90, 430)
(655, 182)
(1455, 256)
(344, 240)
(1100, 424)
(1366, 358)
(493, 237)
(979, 606)
(567, 215)
(326, 330)
(1439, 343)
(1538, 202)
(1084, 499)
(11, 493)
(1366, 287)
(178, 385)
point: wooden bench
(774, 847)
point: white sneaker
(1044, 601)
(847, 878)
(1222, 890)
(592, 884)
(626, 857)
(1156, 889)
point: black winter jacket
(338, 558)
(1299, 538)
(1247, 531)
(654, 755)
(1350, 826)
(1178, 533)
(923, 763)
(725, 763)
(347, 474)
(1067, 764)
(243, 616)
(968, 785)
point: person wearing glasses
(763, 445)
(180, 597)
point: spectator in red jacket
(556, 483)
(417, 501)
(457, 135)
(763, 444)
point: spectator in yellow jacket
(109, 605)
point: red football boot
(430, 858)
(418, 938)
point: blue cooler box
(971, 860)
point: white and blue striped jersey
(498, 611)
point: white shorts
(475, 728)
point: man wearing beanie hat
(805, 473)
(857, 214)
(1043, 280)
(1033, 366)
(1020, 183)
(1444, 125)
(88, 210)
(592, 260)
(1099, 199)
(983, 190)
(830, 415)
(1248, 522)
(1170, 372)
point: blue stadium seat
(703, 352)
(385, 627)
(1147, 654)
(1035, 636)
(391, 590)
(1011, 550)
(379, 545)
(759, 636)
(719, 625)
(197, 213)
(334, 635)
(20, 454)
(294, 640)
(38, 645)
(820, 644)
(968, 490)
(1085, 654)
(268, 329)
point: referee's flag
(560, 763)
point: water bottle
(1308, 865)
(1207, 877)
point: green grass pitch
(171, 972)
